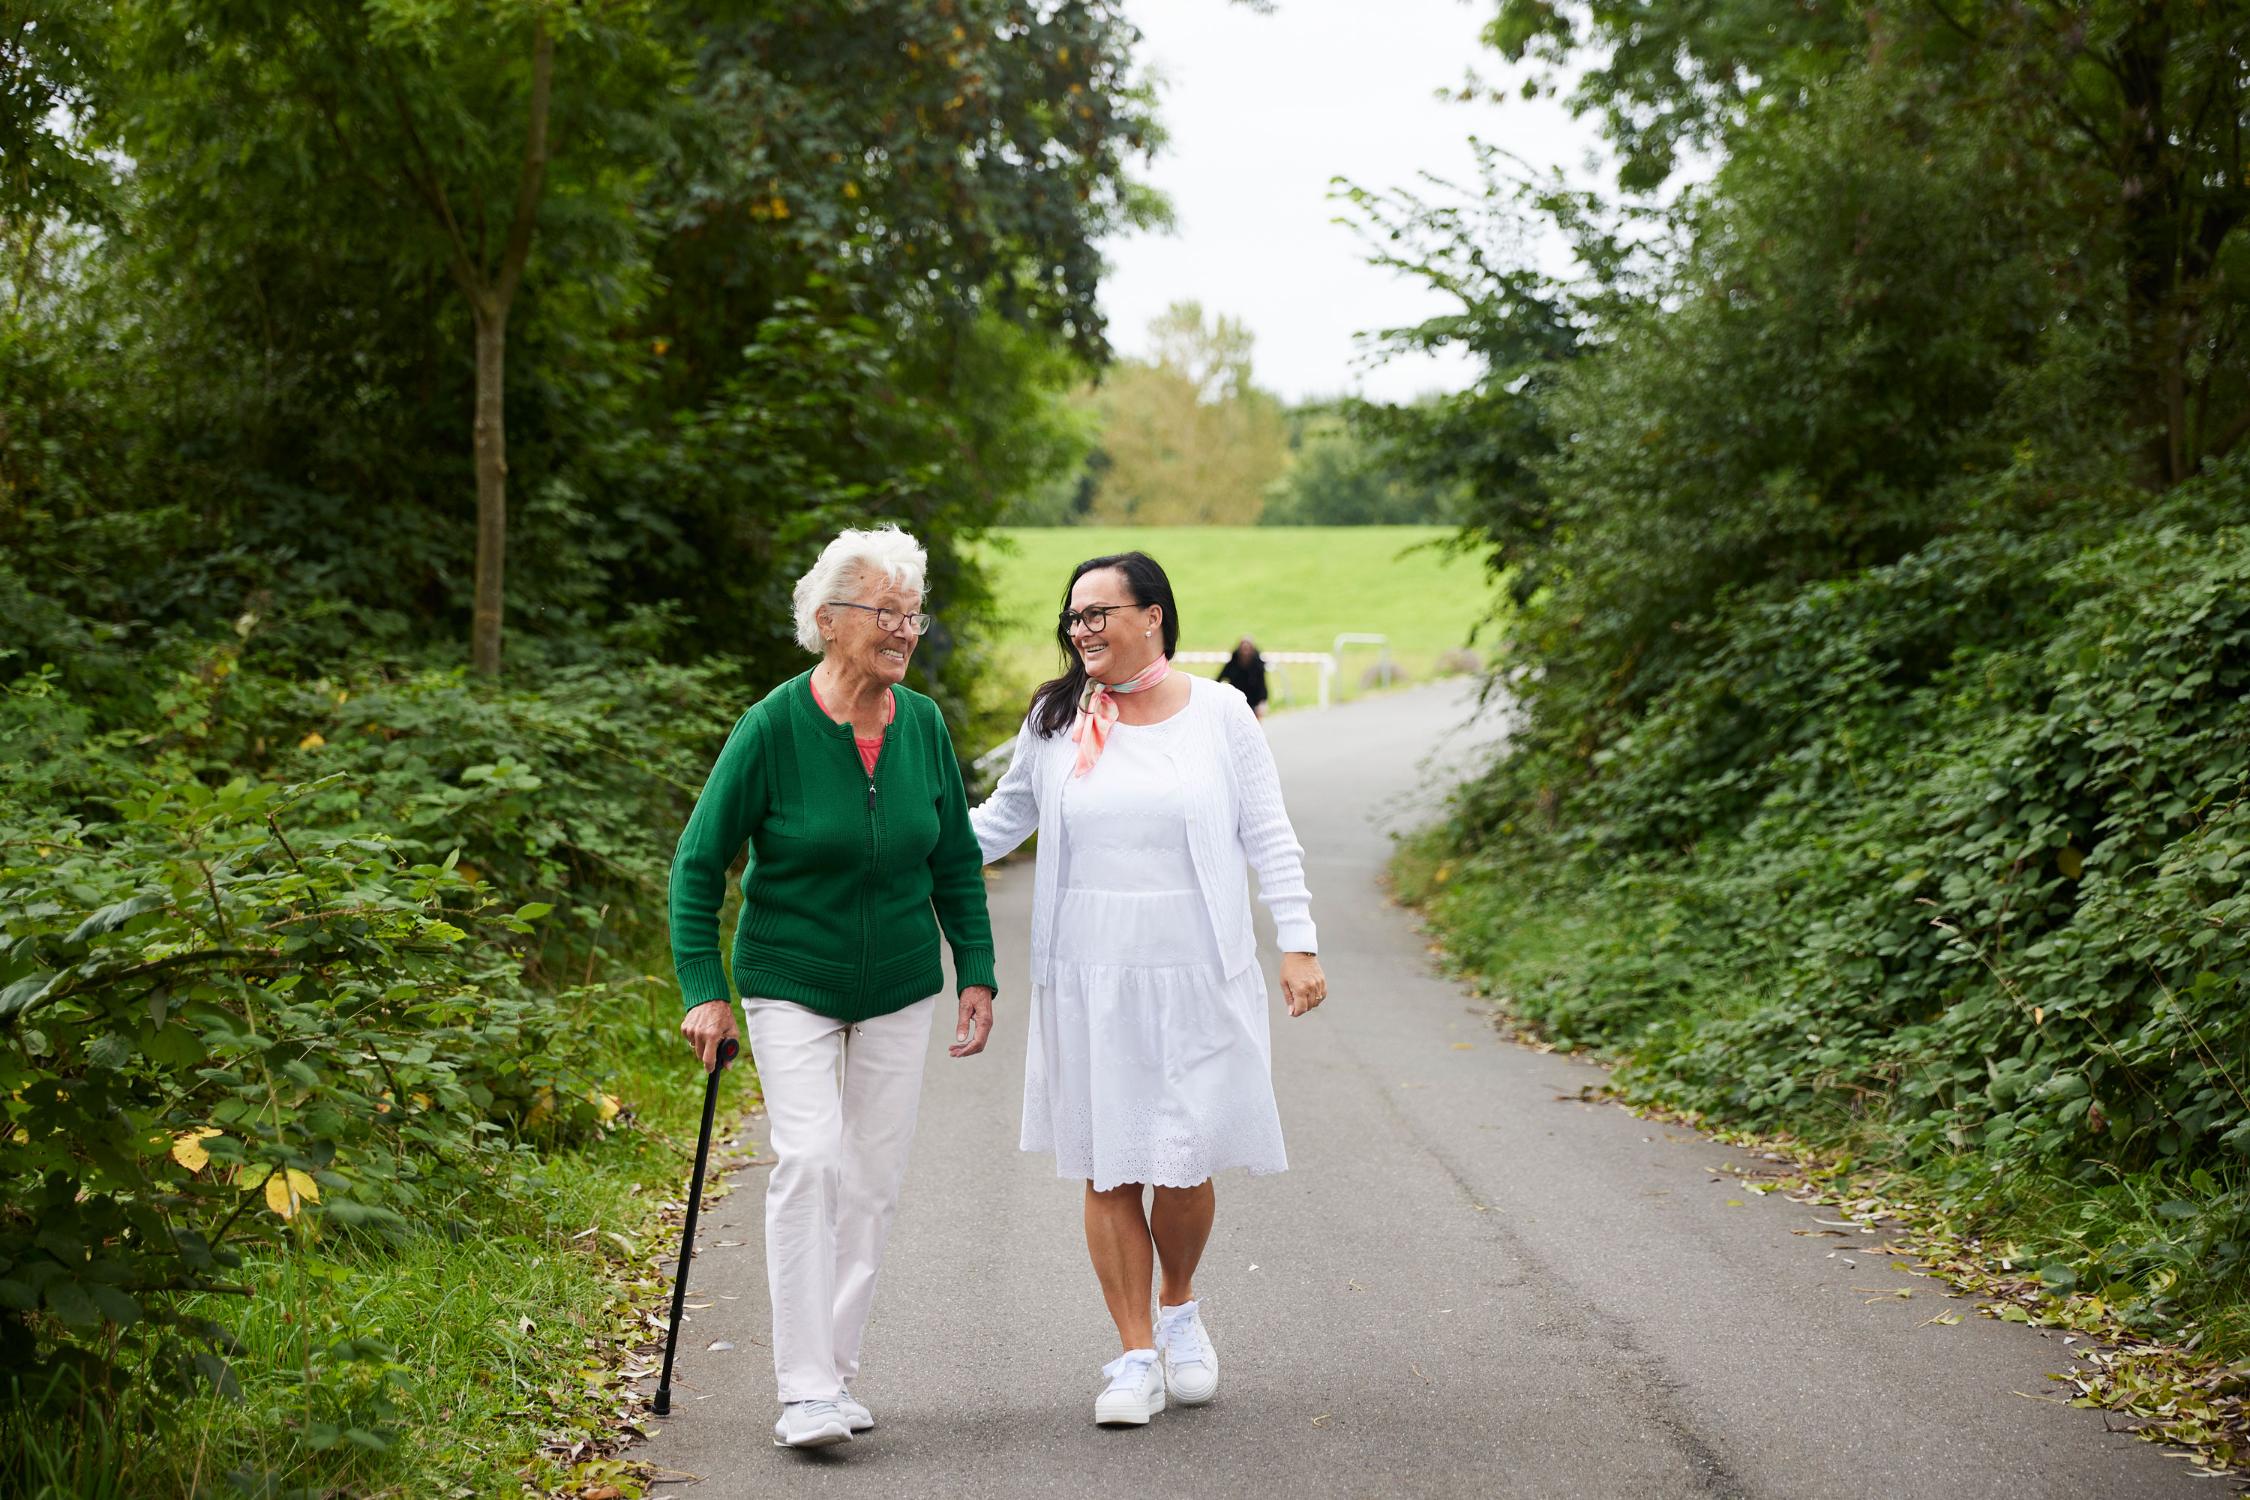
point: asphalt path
(1470, 1282)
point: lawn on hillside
(1290, 588)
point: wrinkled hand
(706, 1026)
(1302, 983)
(975, 1025)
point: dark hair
(1056, 702)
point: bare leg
(1124, 1260)
(1180, 1223)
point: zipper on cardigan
(874, 861)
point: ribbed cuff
(973, 966)
(702, 979)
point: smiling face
(856, 639)
(1132, 638)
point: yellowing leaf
(2072, 861)
(187, 1147)
(311, 741)
(289, 1191)
(606, 1106)
(279, 1198)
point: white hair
(852, 561)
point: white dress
(1144, 1062)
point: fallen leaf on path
(718, 1345)
(1321, 1420)
(1945, 1319)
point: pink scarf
(1097, 711)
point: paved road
(1463, 1286)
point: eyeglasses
(889, 619)
(1095, 617)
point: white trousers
(841, 1098)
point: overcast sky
(1263, 110)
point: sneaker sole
(1135, 1415)
(1194, 1398)
(827, 1438)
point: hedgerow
(285, 962)
(1948, 853)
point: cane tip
(662, 1405)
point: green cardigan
(849, 876)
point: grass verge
(492, 1349)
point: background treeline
(413, 415)
(1878, 523)
(1185, 437)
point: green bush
(268, 972)
(1950, 851)
(216, 1028)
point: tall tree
(2132, 110)
(453, 127)
(1189, 439)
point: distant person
(1148, 1064)
(836, 953)
(1245, 672)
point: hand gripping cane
(662, 1406)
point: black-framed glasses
(1095, 617)
(888, 619)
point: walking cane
(727, 1049)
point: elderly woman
(845, 787)
(1149, 1063)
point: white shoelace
(1182, 1338)
(1129, 1368)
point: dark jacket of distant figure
(1247, 677)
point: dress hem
(1100, 1186)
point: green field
(1290, 588)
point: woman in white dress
(1149, 1064)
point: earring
(1146, 634)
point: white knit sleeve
(1007, 817)
(1268, 841)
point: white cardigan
(1235, 823)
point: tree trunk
(2152, 191)
(490, 307)
(492, 484)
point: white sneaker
(1191, 1365)
(1135, 1391)
(856, 1414)
(811, 1424)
